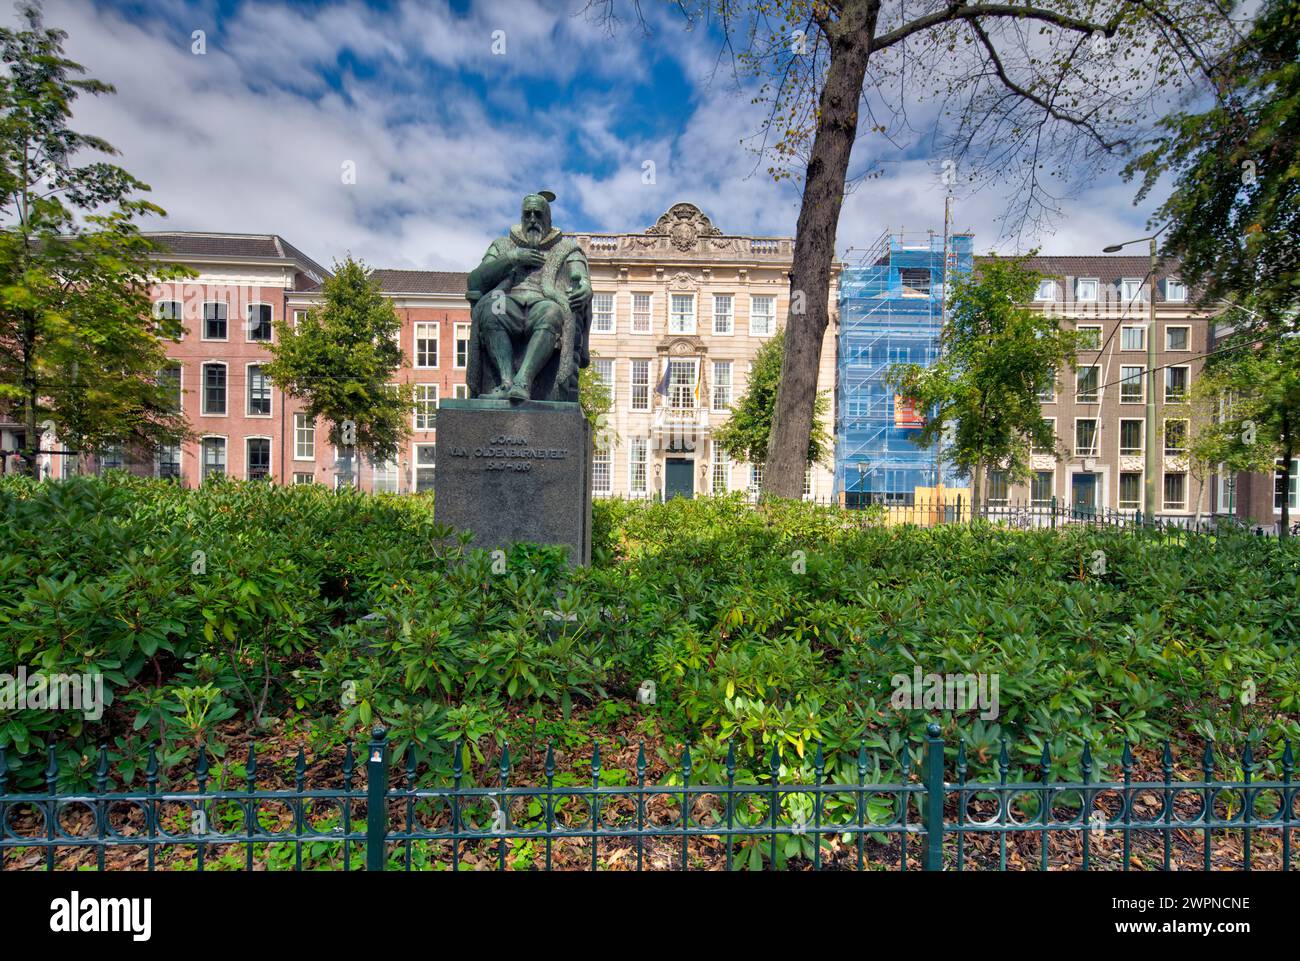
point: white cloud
(252, 135)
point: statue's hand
(526, 257)
(579, 295)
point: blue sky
(445, 135)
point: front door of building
(679, 477)
(1083, 494)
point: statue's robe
(525, 287)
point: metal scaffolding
(891, 312)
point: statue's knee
(547, 315)
(491, 311)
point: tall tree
(1234, 211)
(1028, 91)
(81, 347)
(1255, 384)
(983, 390)
(747, 431)
(341, 360)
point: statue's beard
(534, 234)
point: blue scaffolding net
(891, 312)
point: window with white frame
(303, 477)
(1287, 491)
(605, 373)
(721, 479)
(298, 317)
(636, 464)
(1085, 437)
(721, 384)
(461, 391)
(259, 391)
(997, 494)
(1085, 289)
(1130, 491)
(602, 313)
(171, 310)
(681, 316)
(1047, 394)
(259, 322)
(169, 379)
(1041, 487)
(1178, 338)
(723, 320)
(1089, 336)
(1175, 291)
(641, 313)
(1130, 437)
(462, 346)
(168, 461)
(1175, 492)
(1177, 381)
(755, 478)
(602, 475)
(1225, 484)
(385, 477)
(111, 458)
(1131, 389)
(1087, 388)
(214, 457)
(257, 458)
(1046, 291)
(426, 406)
(214, 388)
(426, 345)
(681, 383)
(1132, 290)
(215, 321)
(807, 482)
(426, 459)
(762, 315)
(640, 376)
(304, 437)
(1051, 448)
(1175, 438)
(1132, 338)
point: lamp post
(1149, 479)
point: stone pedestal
(515, 471)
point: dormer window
(1085, 289)
(1132, 289)
(1175, 291)
(1046, 291)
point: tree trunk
(976, 483)
(814, 250)
(31, 394)
(1288, 452)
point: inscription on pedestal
(515, 472)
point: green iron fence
(921, 819)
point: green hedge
(327, 611)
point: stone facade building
(679, 312)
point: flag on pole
(699, 381)
(662, 387)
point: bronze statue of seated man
(531, 294)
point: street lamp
(1149, 485)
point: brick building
(1099, 410)
(244, 427)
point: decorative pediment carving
(682, 346)
(684, 224)
(683, 281)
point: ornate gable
(684, 224)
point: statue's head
(535, 218)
